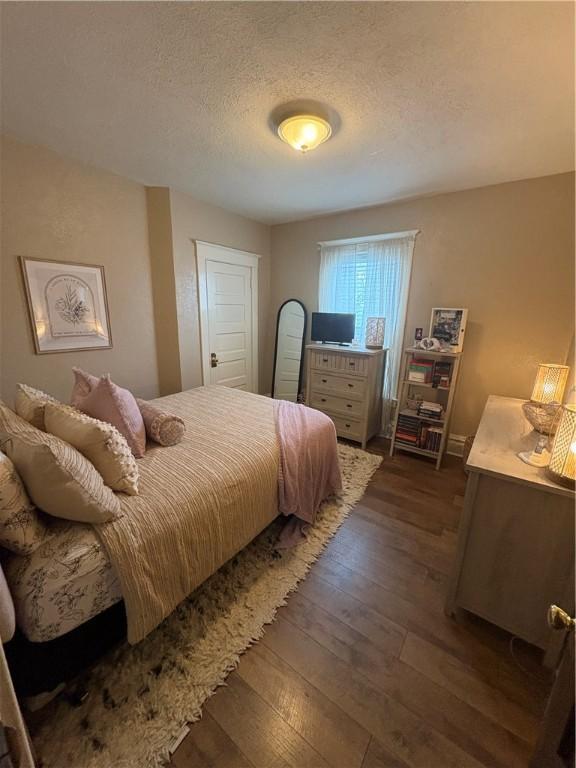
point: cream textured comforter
(200, 501)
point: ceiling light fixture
(304, 132)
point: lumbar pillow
(109, 402)
(21, 528)
(162, 427)
(84, 383)
(99, 442)
(29, 404)
(59, 480)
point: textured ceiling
(431, 96)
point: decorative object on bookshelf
(418, 335)
(543, 409)
(448, 326)
(413, 402)
(562, 466)
(375, 332)
(428, 343)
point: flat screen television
(335, 327)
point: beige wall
(194, 220)
(506, 252)
(56, 209)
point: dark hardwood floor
(362, 669)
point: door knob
(559, 619)
(213, 360)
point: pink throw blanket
(309, 470)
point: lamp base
(539, 456)
(535, 459)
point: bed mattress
(65, 582)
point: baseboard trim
(455, 445)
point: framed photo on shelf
(448, 325)
(67, 305)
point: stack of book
(442, 373)
(408, 430)
(430, 438)
(420, 370)
(430, 410)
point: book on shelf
(431, 410)
(442, 374)
(411, 431)
(420, 371)
(433, 439)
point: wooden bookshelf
(443, 396)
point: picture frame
(448, 325)
(67, 305)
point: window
(370, 278)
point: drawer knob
(350, 385)
(348, 425)
(352, 363)
(348, 405)
(324, 381)
(324, 359)
(323, 399)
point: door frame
(214, 252)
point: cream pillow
(21, 528)
(99, 442)
(59, 480)
(29, 404)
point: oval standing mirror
(289, 351)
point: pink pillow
(84, 383)
(109, 402)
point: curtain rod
(371, 238)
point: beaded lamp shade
(375, 332)
(550, 383)
(562, 467)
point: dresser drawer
(352, 387)
(347, 427)
(339, 363)
(332, 404)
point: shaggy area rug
(139, 697)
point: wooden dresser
(515, 552)
(346, 384)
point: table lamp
(544, 405)
(562, 466)
(375, 332)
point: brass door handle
(213, 360)
(559, 619)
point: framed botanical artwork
(67, 305)
(448, 325)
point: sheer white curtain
(371, 279)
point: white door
(228, 311)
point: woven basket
(543, 417)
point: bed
(199, 503)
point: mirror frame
(301, 372)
